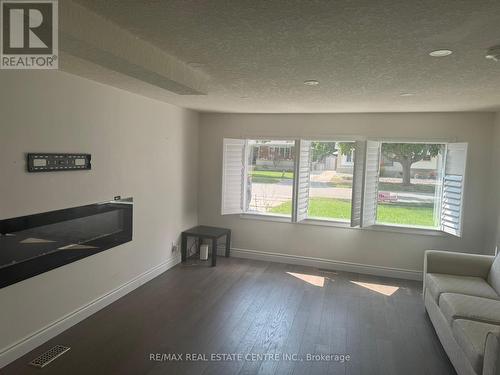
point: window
(258, 177)
(269, 185)
(348, 157)
(407, 189)
(417, 185)
(414, 196)
(330, 181)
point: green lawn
(405, 215)
(330, 208)
(270, 177)
(387, 213)
(414, 188)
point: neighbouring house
(275, 155)
(345, 163)
(424, 169)
(279, 155)
(337, 162)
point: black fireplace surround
(34, 244)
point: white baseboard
(398, 273)
(37, 338)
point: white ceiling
(365, 53)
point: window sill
(347, 225)
(327, 223)
(406, 230)
(265, 217)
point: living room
(250, 187)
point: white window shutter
(357, 183)
(233, 176)
(453, 188)
(370, 193)
(302, 173)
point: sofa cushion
(438, 283)
(459, 306)
(471, 337)
(494, 275)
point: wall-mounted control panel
(42, 162)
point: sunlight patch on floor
(36, 240)
(386, 290)
(75, 246)
(311, 279)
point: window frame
(437, 193)
(270, 216)
(376, 226)
(314, 219)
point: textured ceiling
(365, 53)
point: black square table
(205, 232)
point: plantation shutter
(357, 183)
(453, 188)
(302, 169)
(370, 194)
(233, 176)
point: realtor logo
(29, 34)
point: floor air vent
(49, 356)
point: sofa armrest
(491, 364)
(453, 263)
(460, 264)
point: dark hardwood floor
(244, 307)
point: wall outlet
(175, 247)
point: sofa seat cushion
(459, 306)
(438, 283)
(471, 337)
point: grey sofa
(462, 297)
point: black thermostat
(42, 162)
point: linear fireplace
(31, 245)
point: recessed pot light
(311, 82)
(441, 53)
(406, 94)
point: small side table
(204, 232)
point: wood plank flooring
(246, 308)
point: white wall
(140, 148)
(377, 248)
(495, 196)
